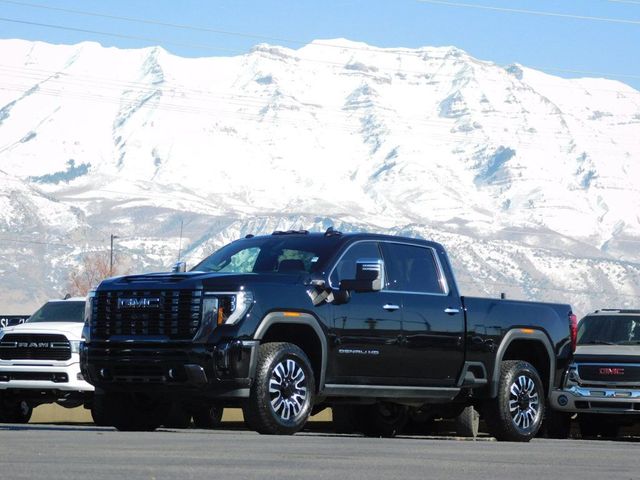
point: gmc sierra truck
(287, 324)
(602, 383)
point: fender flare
(518, 334)
(301, 318)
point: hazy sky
(547, 34)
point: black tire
(16, 411)
(98, 413)
(516, 414)
(178, 417)
(207, 416)
(383, 419)
(467, 423)
(282, 394)
(135, 412)
(557, 424)
(344, 419)
(594, 426)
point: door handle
(390, 307)
(451, 311)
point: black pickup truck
(286, 324)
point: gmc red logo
(611, 371)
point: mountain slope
(511, 167)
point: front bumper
(578, 399)
(46, 376)
(224, 370)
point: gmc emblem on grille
(611, 371)
(143, 302)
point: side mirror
(369, 276)
(179, 267)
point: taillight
(573, 331)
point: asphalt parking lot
(41, 451)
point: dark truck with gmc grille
(287, 324)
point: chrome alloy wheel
(288, 389)
(524, 404)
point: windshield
(609, 330)
(275, 254)
(59, 312)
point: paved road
(91, 453)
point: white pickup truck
(39, 361)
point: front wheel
(281, 398)
(16, 411)
(516, 414)
(593, 426)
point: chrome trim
(442, 279)
(604, 393)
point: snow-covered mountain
(532, 181)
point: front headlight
(75, 346)
(88, 307)
(572, 377)
(226, 308)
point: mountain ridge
(428, 141)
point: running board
(384, 391)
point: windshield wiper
(600, 342)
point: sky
(570, 38)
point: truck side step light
(563, 400)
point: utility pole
(111, 255)
(180, 243)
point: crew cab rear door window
(411, 268)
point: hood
(607, 354)
(196, 280)
(72, 330)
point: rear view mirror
(369, 276)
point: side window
(346, 267)
(411, 269)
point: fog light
(563, 400)
(172, 374)
(104, 373)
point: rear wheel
(468, 423)
(516, 414)
(383, 419)
(207, 416)
(281, 398)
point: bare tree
(94, 269)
